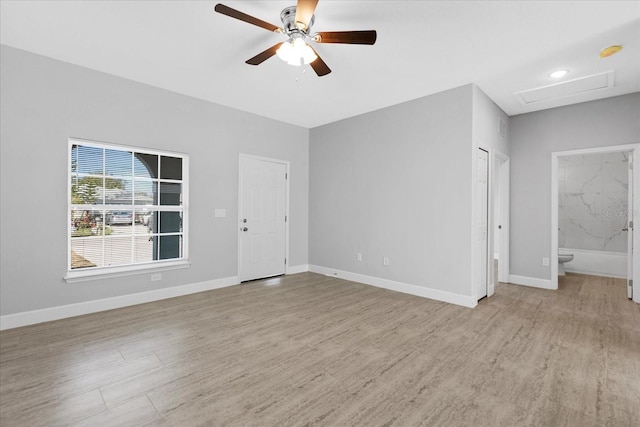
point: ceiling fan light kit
(297, 22)
(296, 52)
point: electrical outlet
(385, 260)
(156, 277)
(358, 256)
(545, 262)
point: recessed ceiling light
(559, 73)
(610, 50)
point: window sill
(77, 276)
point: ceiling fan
(296, 25)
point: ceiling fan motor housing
(288, 18)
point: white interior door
(262, 231)
(630, 226)
(482, 194)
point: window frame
(95, 273)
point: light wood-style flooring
(308, 349)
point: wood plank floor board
(550, 412)
(135, 412)
(52, 412)
(623, 370)
(22, 399)
(105, 375)
(578, 378)
(61, 366)
(308, 349)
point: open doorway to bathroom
(593, 195)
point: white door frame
(502, 177)
(286, 206)
(476, 256)
(630, 232)
(504, 180)
(635, 149)
(488, 247)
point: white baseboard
(421, 291)
(16, 320)
(302, 268)
(531, 281)
(26, 318)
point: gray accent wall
(396, 182)
(533, 137)
(44, 102)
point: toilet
(562, 258)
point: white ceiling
(423, 47)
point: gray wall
(396, 182)
(533, 137)
(486, 115)
(44, 102)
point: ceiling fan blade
(226, 10)
(319, 65)
(347, 37)
(304, 13)
(263, 56)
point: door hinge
(285, 218)
(630, 224)
(631, 165)
(285, 261)
(286, 176)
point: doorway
(500, 224)
(263, 217)
(625, 234)
(491, 222)
(482, 225)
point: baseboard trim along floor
(55, 313)
(406, 288)
(26, 318)
(530, 281)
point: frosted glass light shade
(296, 53)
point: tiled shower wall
(593, 200)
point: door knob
(244, 228)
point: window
(127, 208)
